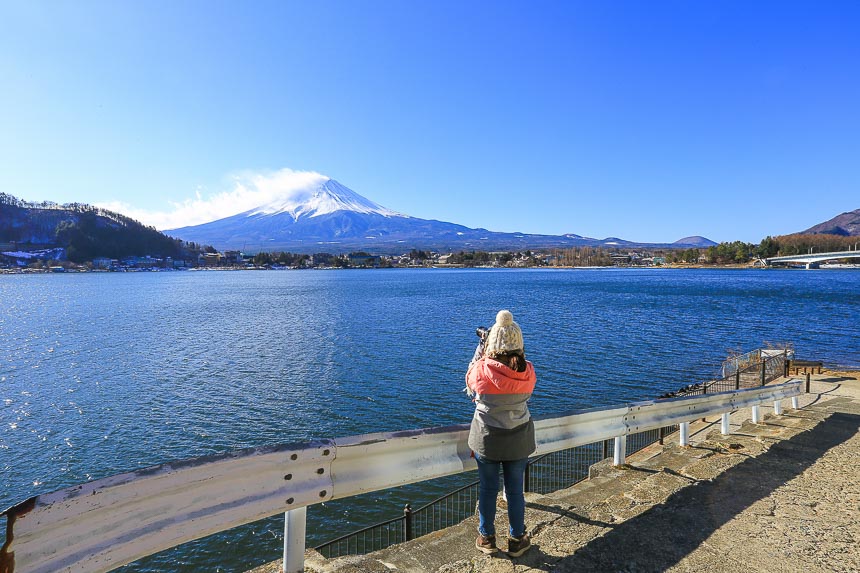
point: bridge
(812, 260)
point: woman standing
(500, 381)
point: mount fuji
(327, 216)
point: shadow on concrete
(820, 394)
(568, 514)
(661, 537)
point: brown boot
(486, 544)
(518, 545)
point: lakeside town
(51, 261)
(236, 260)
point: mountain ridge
(846, 224)
(695, 241)
(332, 217)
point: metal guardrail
(101, 525)
(544, 474)
(550, 472)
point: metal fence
(740, 362)
(748, 360)
(747, 371)
(369, 539)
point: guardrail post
(807, 382)
(407, 523)
(724, 425)
(738, 379)
(295, 522)
(685, 434)
(763, 372)
(756, 418)
(795, 403)
(777, 408)
(620, 450)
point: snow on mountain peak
(320, 198)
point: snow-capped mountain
(326, 197)
(324, 216)
(327, 216)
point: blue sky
(648, 121)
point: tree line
(739, 252)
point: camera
(482, 332)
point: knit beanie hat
(505, 336)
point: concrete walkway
(782, 496)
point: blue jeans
(488, 490)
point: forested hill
(846, 224)
(84, 231)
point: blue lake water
(104, 373)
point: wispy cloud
(249, 190)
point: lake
(104, 373)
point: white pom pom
(504, 318)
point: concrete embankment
(780, 496)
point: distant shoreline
(431, 267)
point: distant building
(102, 263)
(209, 259)
(364, 260)
(233, 258)
(140, 262)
